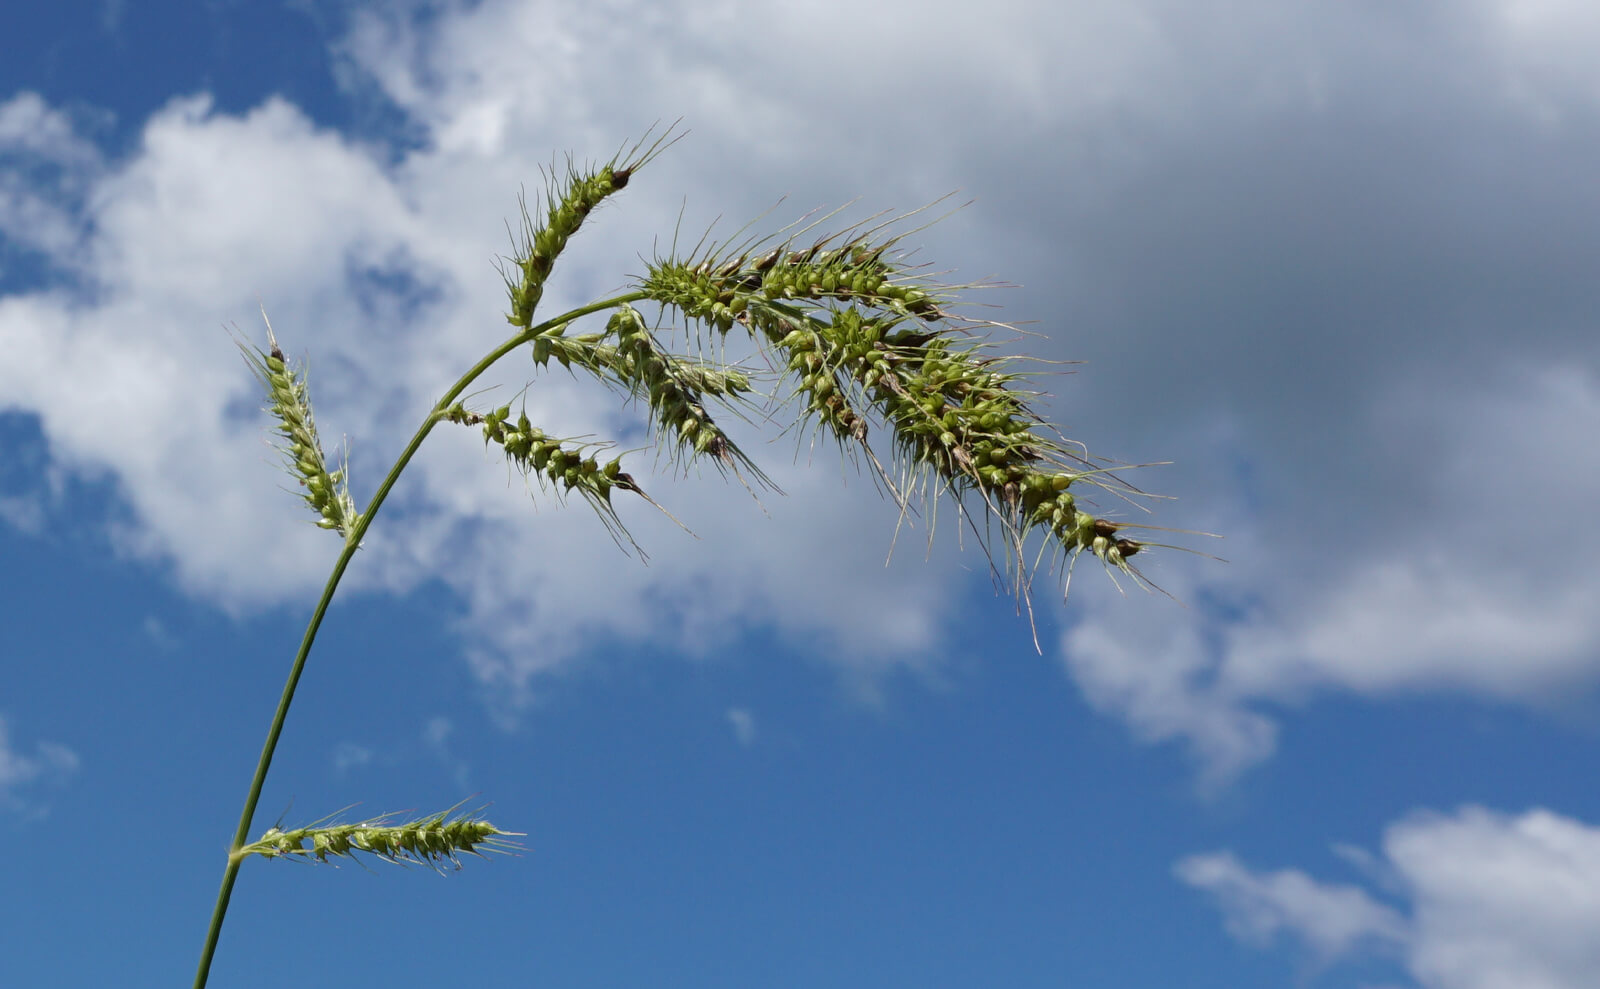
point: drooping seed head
(864, 335)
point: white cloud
(744, 725)
(1476, 581)
(50, 764)
(1331, 919)
(44, 166)
(1484, 584)
(1548, 41)
(1158, 676)
(1403, 491)
(21, 513)
(350, 755)
(1287, 240)
(1494, 901)
(157, 632)
(1501, 902)
(436, 733)
(28, 124)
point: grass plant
(865, 341)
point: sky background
(1335, 261)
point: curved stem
(352, 543)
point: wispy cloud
(436, 734)
(21, 774)
(744, 725)
(350, 755)
(1331, 919)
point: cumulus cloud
(1501, 902)
(1493, 901)
(1443, 602)
(1449, 603)
(1295, 245)
(1387, 353)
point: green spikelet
(432, 841)
(327, 492)
(568, 202)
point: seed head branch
(431, 841)
(327, 493)
(675, 388)
(568, 202)
(869, 339)
(565, 465)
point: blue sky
(1333, 261)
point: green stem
(242, 835)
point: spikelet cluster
(327, 492)
(867, 340)
(432, 841)
(675, 388)
(720, 292)
(564, 465)
(568, 202)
